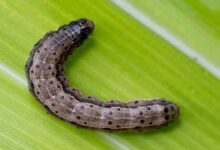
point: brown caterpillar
(46, 81)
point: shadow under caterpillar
(47, 82)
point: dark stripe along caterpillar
(46, 81)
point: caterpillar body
(47, 82)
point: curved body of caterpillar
(46, 81)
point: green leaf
(123, 60)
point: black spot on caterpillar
(47, 82)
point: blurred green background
(124, 59)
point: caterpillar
(47, 82)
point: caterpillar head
(82, 27)
(86, 26)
